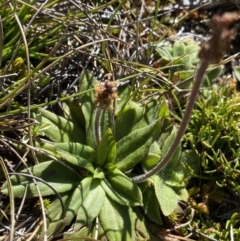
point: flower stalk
(211, 52)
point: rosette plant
(88, 155)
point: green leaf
(173, 178)
(116, 221)
(127, 121)
(121, 189)
(164, 110)
(151, 205)
(91, 205)
(178, 49)
(151, 113)
(212, 74)
(144, 229)
(153, 157)
(172, 174)
(124, 92)
(43, 146)
(166, 146)
(61, 130)
(190, 163)
(98, 173)
(77, 149)
(167, 197)
(192, 51)
(110, 167)
(41, 127)
(183, 194)
(236, 70)
(106, 151)
(165, 52)
(136, 116)
(56, 214)
(72, 201)
(85, 233)
(150, 161)
(186, 63)
(183, 75)
(73, 112)
(132, 148)
(76, 160)
(164, 135)
(52, 172)
(107, 121)
(88, 82)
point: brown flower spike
(105, 94)
(223, 33)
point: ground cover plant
(95, 143)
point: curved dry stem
(11, 197)
(25, 84)
(39, 193)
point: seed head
(105, 94)
(223, 33)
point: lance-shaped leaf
(151, 113)
(44, 149)
(212, 74)
(88, 82)
(116, 221)
(174, 178)
(166, 146)
(85, 233)
(73, 112)
(192, 51)
(106, 151)
(182, 193)
(78, 197)
(56, 175)
(61, 130)
(91, 205)
(71, 201)
(121, 189)
(151, 205)
(124, 93)
(155, 109)
(143, 230)
(164, 110)
(152, 158)
(75, 160)
(77, 149)
(190, 163)
(167, 197)
(127, 121)
(165, 52)
(132, 148)
(178, 49)
(173, 174)
(236, 70)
